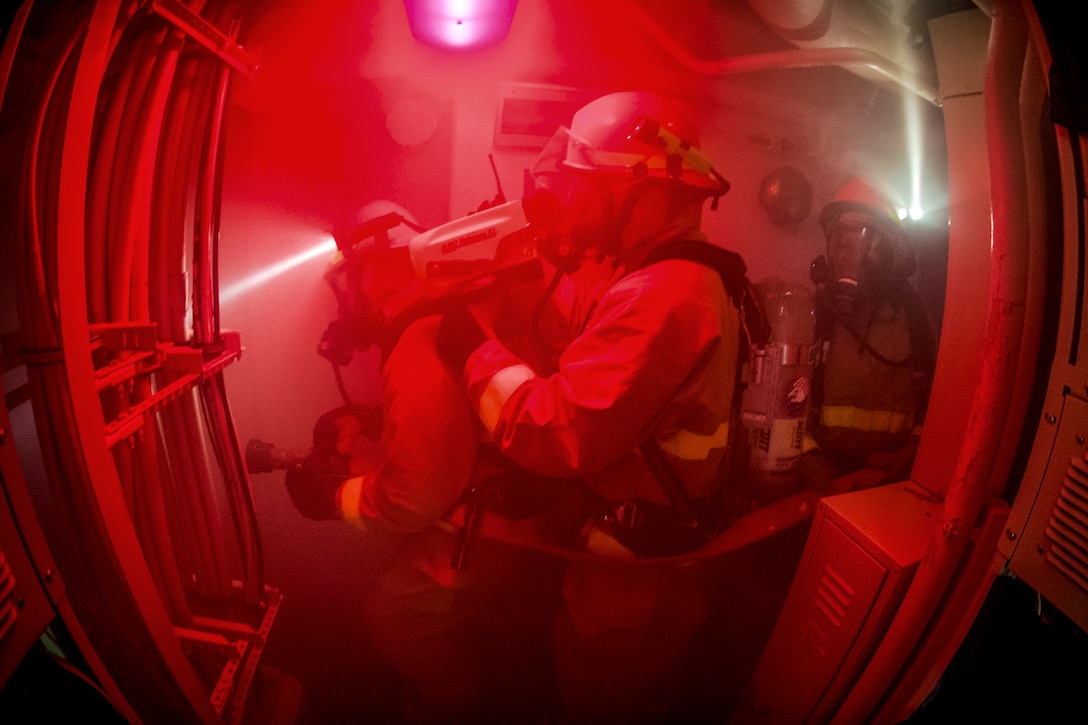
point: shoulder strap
(754, 330)
(734, 275)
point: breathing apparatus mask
(576, 209)
(865, 257)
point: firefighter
(639, 404)
(443, 611)
(877, 342)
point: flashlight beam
(914, 141)
(327, 245)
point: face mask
(853, 251)
(575, 226)
(858, 259)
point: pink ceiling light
(460, 24)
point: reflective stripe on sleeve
(498, 391)
(347, 498)
(848, 416)
(689, 446)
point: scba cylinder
(776, 400)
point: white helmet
(631, 135)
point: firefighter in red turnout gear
(640, 403)
(455, 618)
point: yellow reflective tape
(348, 497)
(499, 390)
(848, 416)
(689, 446)
(616, 159)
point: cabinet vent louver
(1067, 528)
(833, 596)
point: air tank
(775, 402)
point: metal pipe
(236, 481)
(151, 511)
(189, 523)
(807, 58)
(205, 294)
(192, 435)
(120, 241)
(11, 41)
(138, 181)
(44, 175)
(104, 148)
(122, 611)
(98, 197)
(38, 327)
(168, 205)
(140, 177)
(112, 163)
(169, 208)
(1005, 324)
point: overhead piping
(849, 58)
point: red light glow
(460, 24)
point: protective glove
(459, 335)
(313, 488)
(337, 429)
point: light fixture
(460, 24)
